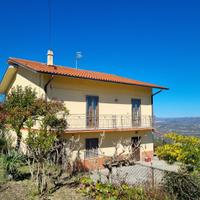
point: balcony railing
(107, 121)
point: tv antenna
(78, 57)
(50, 22)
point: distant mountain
(185, 126)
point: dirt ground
(25, 190)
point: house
(98, 103)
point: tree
(20, 105)
(40, 144)
(23, 108)
(43, 142)
(185, 149)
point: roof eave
(7, 79)
(139, 85)
(11, 61)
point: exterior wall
(28, 78)
(111, 139)
(73, 92)
(107, 148)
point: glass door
(136, 112)
(92, 113)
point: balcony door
(92, 113)
(136, 112)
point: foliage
(2, 117)
(6, 143)
(42, 143)
(104, 191)
(23, 109)
(158, 141)
(45, 121)
(185, 149)
(20, 105)
(183, 185)
(3, 143)
(12, 162)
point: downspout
(153, 118)
(152, 105)
(46, 85)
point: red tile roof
(78, 73)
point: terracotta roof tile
(78, 73)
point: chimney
(50, 57)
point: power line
(50, 23)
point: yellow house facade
(98, 103)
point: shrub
(183, 185)
(107, 191)
(12, 162)
(185, 149)
(3, 143)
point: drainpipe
(152, 105)
(153, 118)
(46, 85)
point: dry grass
(26, 190)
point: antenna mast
(50, 23)
(78, 57)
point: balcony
(107, 121)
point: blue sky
(156, 41)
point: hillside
(185, 126)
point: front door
(136, 112)
(136, 141)
(92, 116)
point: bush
(184, 149)
(183, 185)
(12, 162)
(3, 144)
(105, 191)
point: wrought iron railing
(107, 121)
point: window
(92, 145)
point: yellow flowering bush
(184, 149)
